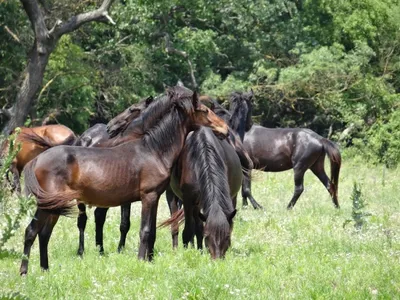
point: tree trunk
(45, 43)
(32, 81)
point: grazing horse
(31, 143)
(281, 149)
(237, 121)
(207, 177)
(136, 170)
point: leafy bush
(12, 207)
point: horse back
(279, 149)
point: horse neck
(238, 120)
(167, 139)
(210, 171)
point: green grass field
(275, 254)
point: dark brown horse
(281, 149)
(31, 143)
(237, 121)
(100, 135)
(137, 170)
(207, 177)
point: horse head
(121, 122)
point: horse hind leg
(125, 224)
(31, 231)
(319, 171)
(174, 205)
(81, 223)
(298, 186)
(44, 237)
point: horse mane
(210, 171)
(160, 126)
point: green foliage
(13, 208)
(359, 216)
(317, 64)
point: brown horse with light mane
(136, 170)
(28, 138)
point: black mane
(210, 171)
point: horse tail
(44, 142)
(59, 203)
(177, 217)
(336, 160)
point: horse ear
(251, 95)
(232, 215)
(202, 217)
(180, 83)
(149, 100)
(195, 100)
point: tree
(45, 41)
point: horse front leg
(125, 224)
(100, 214)
(246, 191)
(148, 225)
(190, 225)
(81, 223)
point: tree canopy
(331, 66)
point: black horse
(207, 177)
(281, 149)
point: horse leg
(199, 228)
(319, 171)
(82, 219)
(125, 224)
(173, 205)
(31, 232)
(100, 214)
(44, 237)
(298, 186)
(189, 230)
(148, 225)
(246, 191)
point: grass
(276, 254)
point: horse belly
(277, 163)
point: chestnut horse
(136, 170)
(207, 177)
(281, 149)
(52, 135)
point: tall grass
(276, 254)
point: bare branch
(170, 49)
(99, 15)
(36, 18)
(14, 36)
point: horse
(30, 140)
(207, 177)
(281, 149)
(136, 170)
(98, 136)
(236, 118)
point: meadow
(306, 253)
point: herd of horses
(190, 147)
